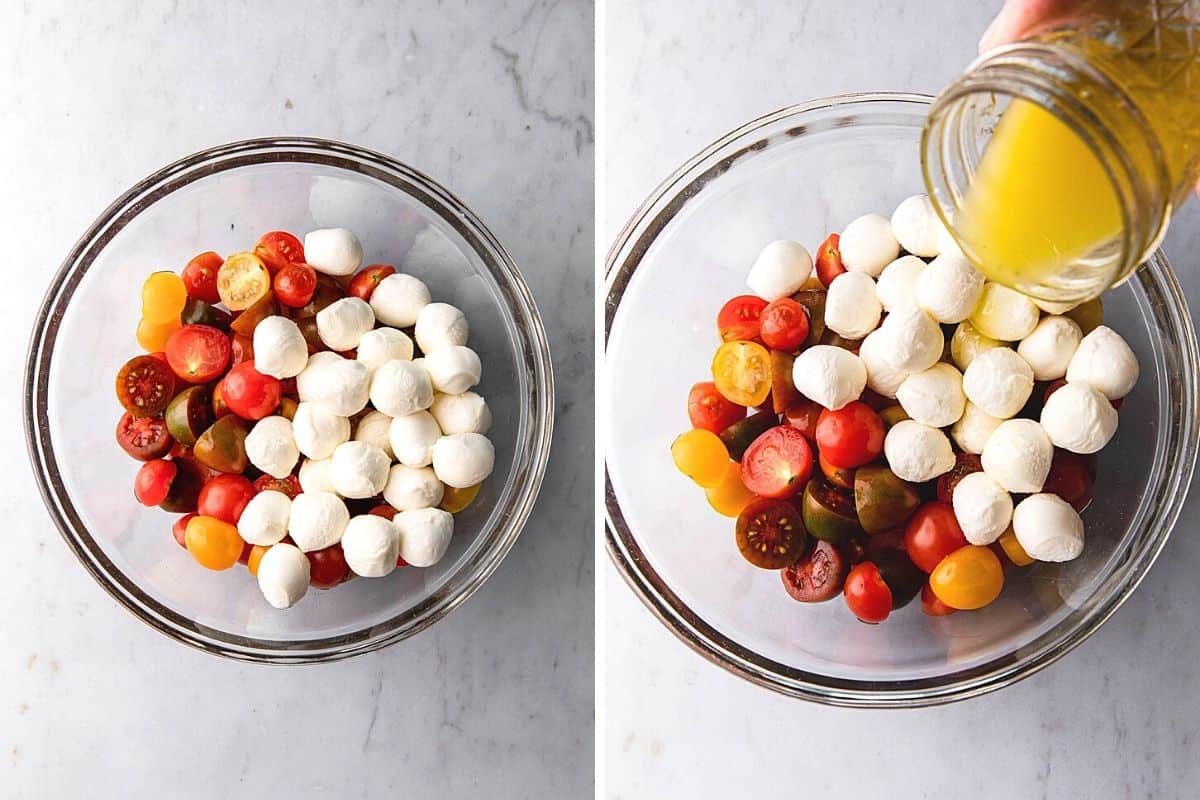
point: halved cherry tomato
(242, 281)
(816, 576)
(179, 529)
(931, 605)
(145, 386)
(867, 595)
(250, 394)
(770, 533)
(851, 436)
(738, 436)
(783, 325)
(829, 260)
(964, 465)
(738, 319)
(364, 283)
(153, 481)
(1070, 478)
(708, 408)
(702, 456)
(144, 438)
(742, 373)
(277, 249)
(778, 463)
(828, 514)
(294, 285)
(225, 497)
(327, 567)
(200, 277)
(932, 534)
(969, 578)
(198, 353)
(289, 485)
(213, 543)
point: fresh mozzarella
(1004, 314)
(334, 251)
(934, 397)
(1050, 347)
(982, 507)
(375, 428)
(967, 343)
(914, 340)
(916, 226)
(897, 284)
(461, 413)
(382, 345)
(1017, 455)
(452, 369)
(1105, 362)
(780, 270)
(917, 452)
(283, 574)
(342, 323)
(972, 430)
(337, 383)
(398, 300)
(827, 375)
(317, 430)
(852, 308)
(413, 437)
(371, 545)
(1047, 528)
(441, 325)
(264, 520)
(868, 245)
(998, 381)
(399, 388)
(279, 348)
(424, 535)
(271, 446)
(317, 520)
(359, 470)
(949, 288)
(316, 475)
(463, 459)
(882, 377)
(1078, 418)
(410, 488)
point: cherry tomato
(200, 277)
(327, 567)
(223, 446)
(742, 373)
(153, 481)
(964, 465)
(829, 260)
(364, 283)
(242, 349)
(385, 511)
(702, 456)
(225, 497)
(242, 281)
(708, 408)
(931, 605)
(770, 533)
(163, 296)
(295, 284)
(455, 500)
(784, 393)
(289, 485)
(1070, 479)
(730, 496)
(777, 463)
(245, 322)
(816, 576)
(179, 529)
(867, 595)
(783, 325)
(1013, 549)
(804, 416)
(738, 436)
(255, 558)
(851, 436)
(969, 578)
(213, 543)
(198, 353)
(738, 319)
(218, 400)
(184, 492)
(932, 534)
(277, 249)
(145, 386)
(144, 438)
(151, 337)
(250, 394)
(198, 312)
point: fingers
(1021, 18)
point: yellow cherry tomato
(287, 408)
(969, 578)
(455, 500)
(163, 296)
(1012, 548)
(1089, 315)
(213, 543)
(242, 281)
(742, 372)
(730, 496)
(256, 554)
(153, 338)
(702, 456)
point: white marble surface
(495, 101)
(1116, 718)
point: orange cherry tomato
(256, 553)
(969, 578)
(455, 500)
(213, 543)
(742, 373)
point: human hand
(1021, 18)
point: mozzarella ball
(882, 377)
(316, 475)
(1105, 362)
(379, 346)
(359, 470)
(371, 545)
(1079, 419)
(998, 381)
(264, 520)
(828, 375)
(868, 245)
(1050, 347)
(917, 452)
(410, 488)
(342, 323)
(399, 388)
(271, 446)
(283, 574)
(973, 429)
(317, 520)
(334, 251)
(461, 413)
(914, 340)
(1004, 314)
(982, 507)
(934, 397)
(453, 369)
(375, 428)
(398, 300)
(463, 459)
(339, 384)
(424, 535)
(441, 325)
(897, 284)
(916, 226)
(318, 431)
(413, 437)
(949, 288)
(279, 348)
(1017, 455)
(851, 307)
(967, 343)
(780, 270)
(1047, 528)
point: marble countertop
(497, 105)
(1115, 718)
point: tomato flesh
(851, 436)
(742, 373)
(242, 281)
(200, 277)
(783, 325)
(277, 249)
(867, 595)
(778, 463)
(708, 409)
(145, 386)
(250, 394)
(738, 319)
(964, 465)
(144, 438)
(198, 353)
(289, 485)
(816, 576)
(770, 533)
(932, 534)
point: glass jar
(1057, 161)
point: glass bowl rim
(623, 258)
(532, 450)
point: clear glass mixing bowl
(798, 174)
(222, 199)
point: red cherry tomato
(710, 410)
(964, 465)
(778, 463)
(829, 260)
(932, 533)
(200, 277)
(1070, 478)
(867, 596)
(225, 497)
(144, 438)
(931, 605)
(738, 318)
(153, 481)
(783, 325)
(179, 530)
(851, 436)
(364, 283)
(384, 510)
(198, 353)
(289, 485)
(277, 249)
(804, 416)
(250, 394)
(327, 567)
(295, 285)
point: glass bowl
(222, 199)
(798, 174)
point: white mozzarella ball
(283, 574)
(1079, 419)
(868, 245)
(339, 384)
(379, 346)
(1004, 314)
(375, 428)
(441, 325)
(1050, 347)
(359, 470)
(1052, 306)
(1047, 528)
(342, 323)
(279, 348)
(410, 488)
(264, 520)
(780, 270)
(271, 446)
(317, 520)
(917, 452)
(334, 251)
(1017, 455)
(882, 377)
(318, 431)
(316, 475)
(424, 535)
(1105, 362)
(998, 381)
(949, 288)
(398, 300)
(973, 429)
(828, 375)
(967, 343)
(852, 308)
(897, 284)
(934, 397)
(915, 340)
(916, 226)
(453, 369)
(463, 459)
(413, 437)
(371, 545)
(399, 388)
(982, 507)
(461, 413)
